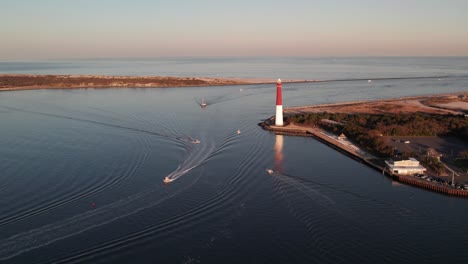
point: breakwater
(371, 161)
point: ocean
(314, 68)
(81, 171)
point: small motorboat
(238, 131)
(203, 103)
(167, 180)
(195, 141)
(269, 171)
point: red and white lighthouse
(279, 104)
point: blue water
(63, 150)
(315, 68)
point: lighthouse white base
(279, 115)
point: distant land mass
(10, 82)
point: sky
(63, 29)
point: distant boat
(167, 180)
(269, 171)
(238, 131)
(195, 141)
(369, 81)
(203, 103)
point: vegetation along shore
(10, 82)
(13, 82)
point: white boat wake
(100, 216)
(196, 156)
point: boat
(167, 180)
(269, 171)
(195, 141)
(203, 103)
(238, 131)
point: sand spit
(435, 104)
(9, 82)
(12, 82)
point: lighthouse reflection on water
(279, 153)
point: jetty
(358, 154)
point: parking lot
(448, 147)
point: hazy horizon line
(234, 57)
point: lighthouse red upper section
(279, 96)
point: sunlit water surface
(81, 180)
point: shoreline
(374, 106)
(16, 82)
(354, 151)
(362, 158)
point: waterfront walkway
(343, 144)
(328, 138)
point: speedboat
(167, 180)
(195, 141)
(269, 171)
(238, 131)
(203, 104)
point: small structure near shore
(342, 137)
(405, 167)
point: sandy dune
(453, 103)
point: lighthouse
(279, 104)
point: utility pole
(453, 174)
(453, 178)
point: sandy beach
(28, 82)
(14, 82)
(454, 103)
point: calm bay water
(64, 150)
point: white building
(342, 137)
(409, 166)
